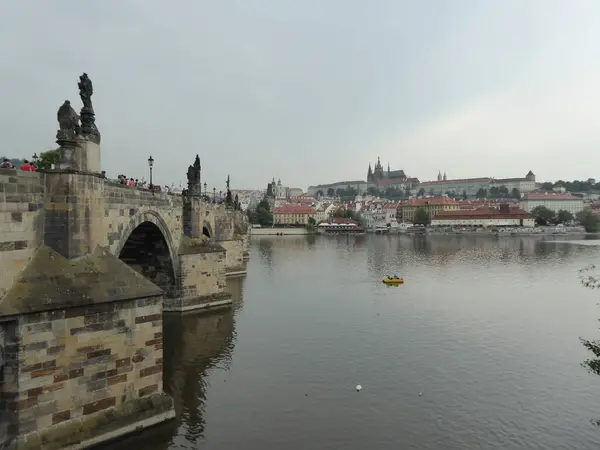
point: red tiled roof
(458, 180)
(388, 182)
(294, 209)
(548, 196)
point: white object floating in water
(358, 387)
(420, 393)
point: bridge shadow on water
(194, 346)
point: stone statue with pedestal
(79, 144)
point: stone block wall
(202, 281)
(74, 213)
(125, 208)
(21, 221)
(83, 368)
(9, 371)
(234, 260)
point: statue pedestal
(80, 155)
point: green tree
(592, 364)
(330, 192)
(421, 217)
(48, 158)
(542, 215)
(464, 195)
(421, 192)
(564, 216)
(481, 193)
(589, 221)
(515, 193)
(407, 192)
(372, 190)
(348, 214)
(262, 216)
(547, 186)
(319, 193)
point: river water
(485, 328)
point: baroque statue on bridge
(88, 120)
(228, 199)
(193, 176)
(68, 122)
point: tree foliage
(346, 194)
(263, 215)
(542, 215)
(564, 216)
(589, 221)
(330, 192)
(481, 193)
(592, 364)
(421, 217)
(48, 158)
(588, 185)
(348, 214)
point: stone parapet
(21, 221)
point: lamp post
(214, 195)
(220, 196)
(150, 164)
(35, 158)
(205, 194)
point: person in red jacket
(26, 166)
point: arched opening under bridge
(146, 250)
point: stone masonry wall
(9, 371)
(234, 260)
(77, 362)
(127, 207)
(21, 221)
(202, 280)
(73, 213)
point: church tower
(369, 174)
(439, 177)
(378, 170)
(445, 177)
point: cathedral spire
(388, 167)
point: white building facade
(552, 201)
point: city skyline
(470, 88)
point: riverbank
(273, 231)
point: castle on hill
(383, 179)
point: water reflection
(195, 345)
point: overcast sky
(310, 91)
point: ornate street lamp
(214, 195)
(35, 158)
(205, 194)
(150, 164)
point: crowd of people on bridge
(26, 166)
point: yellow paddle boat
(393, 281)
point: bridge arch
(147, 246)
(207, 230)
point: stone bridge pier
(88, 268)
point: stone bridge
(87, 269)
(73, 213)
